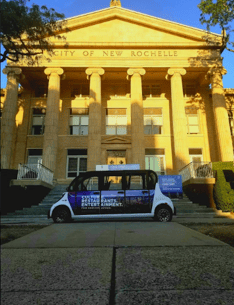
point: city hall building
(124, 88)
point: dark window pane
(79, 111)
(72, 175)
(152, 111)
(79, 152)
(190, 110)
(39, 111)
(37, 130)
(35, 152)
(154, 151)
(83, 165)
(195, 151)
(72, 164)
(115, 111)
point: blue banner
(123, 167)
(171, 186)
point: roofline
(146, 15)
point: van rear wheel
(163, 214)
(61, 215)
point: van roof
(113, 173)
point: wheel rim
(61, 216)
(164, 215)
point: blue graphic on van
(114, 201)
(171, 185)
(72, 198)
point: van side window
(152, 181)
(90, 184)
(113, 182)
(136, 182)
(76, 185)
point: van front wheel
(61, 215)
(163, 214)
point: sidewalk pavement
(117, 263)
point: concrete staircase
(42, 208)
(184, 207)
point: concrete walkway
(117, 262)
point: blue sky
(182, 11)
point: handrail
(35, 172)
(196, 170)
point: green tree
(221, 13)
(25, 31)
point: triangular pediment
(116, 140)
(117, 25)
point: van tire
(163, 213)
(61, 215)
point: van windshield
(75, 185)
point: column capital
(49, 71)
(217, 70)
(173, 71)
(132, 71)
(90, 71)
(14, 70)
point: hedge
(224, 186)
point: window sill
(35, 135)
(195, 135)
(156, 135)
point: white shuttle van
(113, 194)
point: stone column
(50, 143)
(222, 127)
(8, 117)
(179, 118)
(95, 117)
(137, 119)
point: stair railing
(35, 172)
(197, 170)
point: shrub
(223, 188)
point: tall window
(192, 120)
(195, 155)
(76, 162)
(231, 120)
(155, 160)
(79, 121)
(151, 91)
(116, 122)
(189, 90)
(80, 89)
(38, 121)
(153, 121)
(34, 156)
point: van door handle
(96, 193)
(121, 192)
(143, 192)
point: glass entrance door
(116, 157)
